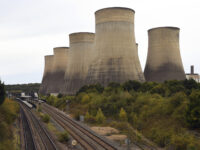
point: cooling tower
(80, 56)
(56, 82)
(46, 75)
(117, 58)
(164, 58)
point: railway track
(44, 136)
(28, 138)
(86, 138)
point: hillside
(168, 114)
(27, 88)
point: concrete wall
(164, 58)
(56, 82)
(117, 58)
(80, 56)
(47, 73)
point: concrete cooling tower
(80, 56)
(47, 74)
(164, 58)
(56, 82)
(117, 57)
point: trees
(2, 93)
(193, 112)
(100, 118)
(91, 88)
(123, 115)
(131, 85)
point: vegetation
(100, 118)
(27, 88)
(123, 115)
(166, 113)
(63, 137)
(8, 114)
(45, 118)
(2, 93)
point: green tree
(100, 118)
(190, 84)
(2, 93)
(87, 116)
(123, 115)
(193, 112)
(147, 86)
(132, 85)
(159, 89)
(85, 99)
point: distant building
(193, 75)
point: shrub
(89, 118)
(63, 137)
(123, 115)
(85, 99)
(100, 118)
(131, 85)
(2, 92)
(46, 118)
(193, 112)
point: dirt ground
(110, 133)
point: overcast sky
(29, 29)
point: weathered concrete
(56, 81)
(80, 57)
(47, 73)
(164, 58)
(117, 57)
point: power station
(80, 57)
(58, 69)
(117, 59)
(111, 55)
(46, 75)
(164, 58)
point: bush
(63, 137)
(131, 85)
(8, 113)
(2, 92)
(89, 118)
(193, 112)
(123, 115)
(100, 118)
(46, 118)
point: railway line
(28, 138)
(86, 138)
(44, 136)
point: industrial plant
(111, 55)
(164, 58)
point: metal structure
(80, 57)
(117, 57)
(193, 75)
(56, 82)
(164, 58)
(47, 73)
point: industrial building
(46, 75)
(56, 81)
(164, 59)
(192, 75)
(80, 57)
(117, 58)
(111, 55)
